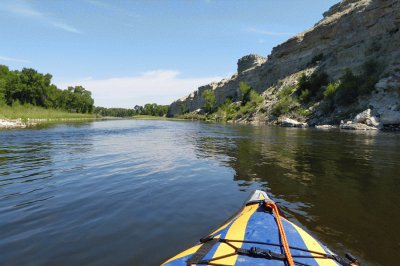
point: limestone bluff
(350, 34)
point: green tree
(3, 82)
(347, 92)
(369, 77)
(138, 109)
(330, 91)
(244, 89)
(210, 100)
(28, 86)
(303, 82)
(310, 87)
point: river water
(133, 192)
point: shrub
(370, 68)
(246, 109)
(347, 91)
(303, 112)
(231, 110)
(254, 101)
(305, 96)
(317, 81)
(282, 107)
(316, 59)
(368, 85)
(330, 90)
(351, 86)
(303, 82)
(286, 91)
(369, 77)
(309, 87)
(255, 98)
(328, 104)
(228, 110)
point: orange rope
(285, 243)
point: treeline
(31, 87)
(148, 109)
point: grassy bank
(26, 112)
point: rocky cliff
(248, 71)
(350, 34)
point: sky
(144, 51)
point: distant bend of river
(136, 192)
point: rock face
(356, 126)
(351, 33)
(287, 122)
(363, 121)
(366, 118)
(249, 62)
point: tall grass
(28, 111)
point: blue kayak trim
(262, 227)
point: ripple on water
(112, 192)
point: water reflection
(334, 183)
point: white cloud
(11, 59)
(20, 9)
(269, 33)
(66, 27)
(159, 86)
(25, 9)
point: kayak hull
(255, 224)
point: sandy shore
(15, 123)
(20, 123)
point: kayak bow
(257, 235)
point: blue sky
(134, 52)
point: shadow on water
(341, 186)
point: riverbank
(150, 117)
(22, 116)
(364, 121)
(31, 122)
(11, 118)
